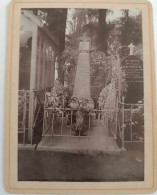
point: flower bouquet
(81, 108)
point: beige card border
(11, 183)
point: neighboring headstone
(133, 68)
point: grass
(97, 166)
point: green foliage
(82, 108)
(81, 104)
(23, 104)
(131, 30)
(92, 21)
(81, 124)
(69, 59)
(136, 123)
(57, 96)
(54, 19)
(115, 89)
(101, 71)
(107, 98)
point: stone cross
(85, 37)
(131, 46)
(84, 44)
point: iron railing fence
(30, 105)
(66, 118)
(23, 110)
(134, 122)
(120, 123)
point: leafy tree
(92, 21)
(55, 20)
(101, 70)
(131, 29)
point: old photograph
(81, 95)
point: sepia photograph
(81, 95)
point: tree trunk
(126, 26)
(61, 38)
(102, 30)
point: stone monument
(82, 78)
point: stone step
(81, 143)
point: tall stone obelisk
(82, 78)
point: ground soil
(70, 166)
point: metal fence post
(71, 122)
(43, 131)
(116, 116)
(31, 116)
(24, 118)
(123, 123)
(131, 123)
(52, 130)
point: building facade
(38, 51)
